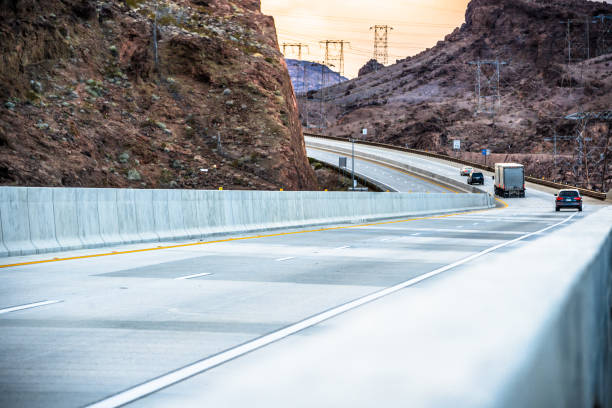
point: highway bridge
(475, 304)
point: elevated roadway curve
(197, 326)
(388, 177)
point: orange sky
(417, 24)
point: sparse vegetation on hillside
(80, 86)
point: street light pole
(353, 162)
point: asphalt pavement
(114, 322)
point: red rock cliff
(93, 96)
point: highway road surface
(175, 327)
(394, 179)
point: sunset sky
(418, 24)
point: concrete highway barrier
(38, 220)
(567, 361)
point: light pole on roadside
(353, 163)
(364, 132)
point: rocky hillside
(93, 95)
(308, 76)
(428, 100)
(371, 66)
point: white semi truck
(509, 180)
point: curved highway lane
(395, 179)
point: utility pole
(381, 43)
(334, 52)
(487, 89)
(554, 139)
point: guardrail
(42, 219)
(534, 180)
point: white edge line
(192, 276)
(199, 367)
(29, 306)
(357, 173)
(285, 259)
(342, 247)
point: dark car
(568, 199)
(475, 178)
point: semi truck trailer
(509, 180)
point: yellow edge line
(505, 204)
(135, 251)
(391, 168)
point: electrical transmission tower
(580, 34)
(602, 25)
(381, 43)
(292, 47)
(334, 52)
(585, 159)
(577, 45)
(487, 85)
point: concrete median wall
(566, 359)
(38, 220)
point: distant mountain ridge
(311, 76)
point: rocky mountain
(144, 93)
(311, 76)
(428, 100)
(371, 66)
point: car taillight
(559, 199)
(578, 198)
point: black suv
(475, 178)
(568, 199)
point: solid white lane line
(343, 247)
(29, 306)
(418, 233)
(197, 275)
(467, 231)
(199, 367)
(285, 259)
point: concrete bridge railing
(39, 220)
